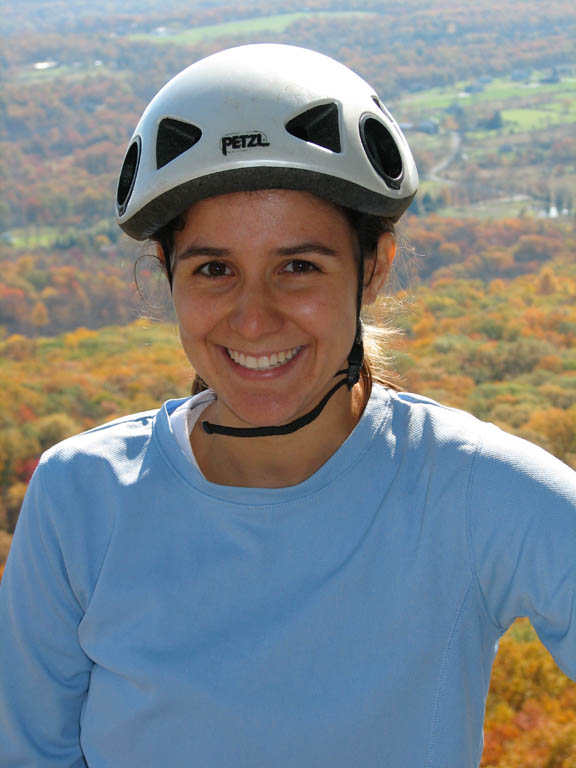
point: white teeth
(266, 361)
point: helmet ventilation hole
(318, 125)
(382, 108)
(382, 151)
(128, 175)
(174, 137)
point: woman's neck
(277, 462)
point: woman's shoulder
(103, 439)
(424, 422)
(440, 429)
(118, 448)
(420, 406)
(120, 445)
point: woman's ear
(160, 255)
(378, 267)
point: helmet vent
(382, 108)
(318, 125)
(382, 151)
(174, 137)
(128, 175)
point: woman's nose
(255, 313)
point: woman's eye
(213, 269)
(299, 265)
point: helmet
(263, 116)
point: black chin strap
(283, 429)
(293, 426)
(167, 250)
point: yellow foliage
(558, 426)
(5, 541)
(425, 327)
(15, 496)
(550, 363)
(546, 283)
(77, 336)
(40, 316)
(17, 347)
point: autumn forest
(484, 295)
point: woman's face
(265, 295)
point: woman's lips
(267, 365)
(263, 362)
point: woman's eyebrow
(309, 247)
(290, 250)
(202, 250)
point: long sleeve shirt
(149, 617)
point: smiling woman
(264, 287)
(374, 242)
(298, 565)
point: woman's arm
(522, 524)
(44, 674)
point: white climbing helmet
(263, 116)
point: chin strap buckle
(355, 359)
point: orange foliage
(531, 707)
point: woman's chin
(260, 411)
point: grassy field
(276, 23)
(46, 237)
(559, 97)
(493, 209)
(66, 73)
(35, 237)
(529, 119)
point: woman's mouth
(263, 362)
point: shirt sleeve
(522, 528)
(44, 673)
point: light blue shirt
(151, 618)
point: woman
(295, 567)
